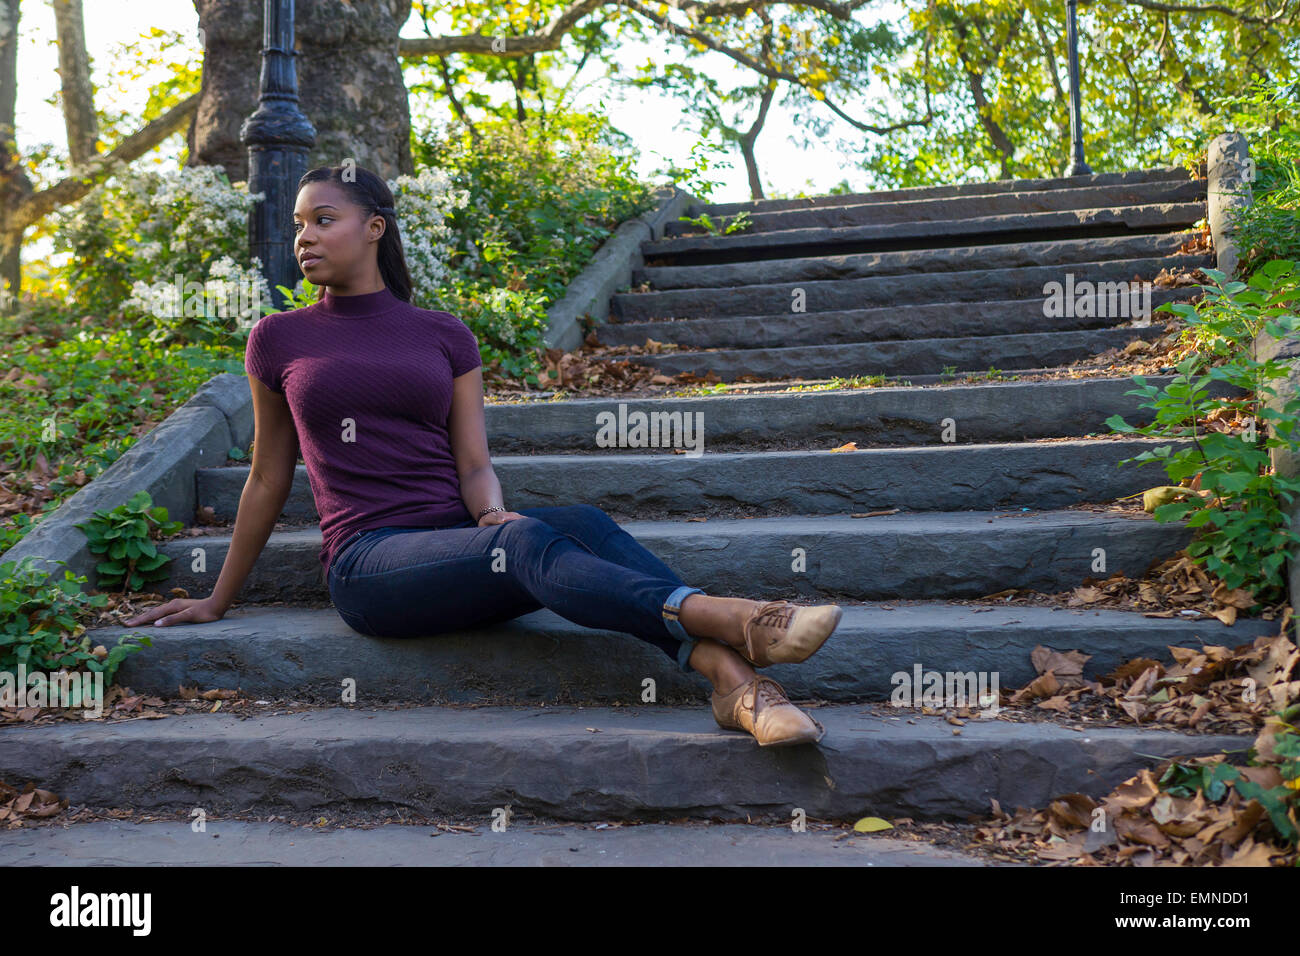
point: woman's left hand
(497, 517)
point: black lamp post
(278, 136)
(1077, 166)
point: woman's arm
(479, 487)
(275, 454)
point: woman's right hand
(180, 611)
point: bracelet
(487, 510)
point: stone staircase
(914, 284)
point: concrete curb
(1230, 176)
(611, 269)
(163, 463)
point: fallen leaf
(872, 825)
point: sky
(653, 120)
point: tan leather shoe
(779, 632)
(761, 708)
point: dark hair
(367, 190)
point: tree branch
(456, 106)
(1209, 8)
(84, 179)
(550, 36)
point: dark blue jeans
(573, 559)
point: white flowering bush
(508, 321)
(424, 203)
(169, 248)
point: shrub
(1269, 114)
(40, 627)
(125, 535)
(131, 238)
(1245, 533)
(533, 202)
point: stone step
(827, 418)
(970, 206)
(542, 658)
(915, 555)
(815, 481)
(933, 263)
(934, 321)
(226, 842)
(1129, 177)
(919, 356)
(1018, 227)
(644, 762)
(972, 285)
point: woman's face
(334, 239)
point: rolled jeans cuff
(672, 608)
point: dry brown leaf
(216, 694)
(1068, 666)
(1074, 809)
(1044, 685)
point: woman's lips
(309, 259)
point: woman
(385, 402)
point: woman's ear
(378, 226)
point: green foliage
(126, 536)
(1244, 531)
(12, 532)
(1269, 228)
(693, 175)
(1280, 802)
(985, 84)
(739, 223)
(40, 623)
(539, 199)
(1183, 780)
(299, 297)
(79, 399)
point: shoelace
(768, 691)
(775, 614)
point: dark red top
(368, 379)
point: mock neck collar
(369, 303)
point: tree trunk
(349, 83)
(74, 75)
(750, 137)
(14, 184)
